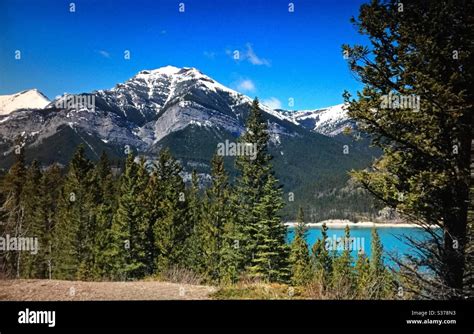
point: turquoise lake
(389, 236)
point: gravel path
(41, 290)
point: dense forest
(94, 224)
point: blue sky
(283, 55)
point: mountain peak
(26, 99)
(170, 71)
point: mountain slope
(330, 121)
(191, 113)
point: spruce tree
(33, 227)
(299, 257)
(13, 211)
(363, 277)
(127, 252)
(271, 258)
(258, 202)
(380, 279)
(72, 229)
(322, 259)
(194, 244)
(51, 187)
(105, 206)
(343, 275)
(217, 228)
(170, 228)
(253, 177)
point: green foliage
(301, 270)
(258, 201)
(74, 225)
(127, 253)
(95, 226)
(420, 53)
(343, 279)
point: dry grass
(52, 290)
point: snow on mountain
(27, 99)
(169, 99)
(141, 111)
(329, 121)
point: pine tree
(299, 257)
(51, 185)
(194, 244)
(33, 226)
(105, 201)
(258, 202)
(170, 228)
(322, 259)
(13, 212)
(363, 277)
(343, 275)
(271, 257)
(420, 53)
(127, 252)
(253, 177)
(216, 231)
(380, 278)
(73, 228)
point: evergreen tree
(299, 257)
(343, 275)
(13, 211)
(271, 258)
(33, 227)
(105, 200)
(363, 277)
(420, 53)
(258, 202)
(322, 259)
(73, 228)
(50, 186)
(195, 244)
(127, 252)
(249, 185)
(170, 228)
(218, 251)
(381, 281)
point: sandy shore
(341, 223)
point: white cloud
(252, 57)
(249, 55)
(245, 85)
(272, 102)
(104, 54)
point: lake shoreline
(336, 223)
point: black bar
(243, 314)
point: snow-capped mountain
(155, 103)
(330, 121)
(186, 111)
(181, 108)
(27, 99)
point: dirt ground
(42, 290)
